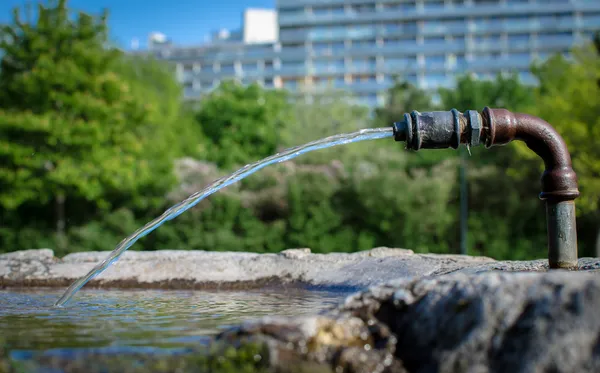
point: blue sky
(184, 21)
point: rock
(28, 255)
(22, 266)
(420, 313)
(295, 253)
(320, 343)
(381, 252)
(172, 269)
(463, 322)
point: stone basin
(409, 313)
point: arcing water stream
(191, 201)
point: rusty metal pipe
(496, 127)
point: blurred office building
(361, 45)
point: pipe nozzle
(439, 129)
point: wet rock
(321, 344)
(463, 322)
(172, 269)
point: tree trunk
(598, 244)
(60, 222)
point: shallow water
(140, 320)
(194, 199)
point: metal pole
(464, 203)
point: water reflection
(121, 319)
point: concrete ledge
(171, 269)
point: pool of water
(139, 320)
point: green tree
(329, 113)
(242, 123)
(80, 133)
(403, 97)
(470, 93)
(154, 82)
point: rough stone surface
(463, 322)
(416, 313)
(223, 270)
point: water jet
(429, 130)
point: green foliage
(390, 203)
(328, 114)
(403, 97)
(506, 91)
(70, 124)
(242, 123)
(84, 129)
(89, 139)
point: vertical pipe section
(559, 181)
(562, 234)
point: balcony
(259, 73)
(302, 19)
(293, 70)
(498, 64)
(368, 86)
(293, 53)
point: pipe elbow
(559, 181)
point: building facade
(362, 45)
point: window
(554, 37)
(520, 57)
(293, 64)
(321, 66)
(249, 67)
(390, 7)
(518, 21)
(321, 47)
(457, 62)
(363, 8)
(364, 43)
(227, 69)
(433, 5)
(339, 82)
(433, 80)
(486, 2)
(434, 40)
(290, 83)
(337, 46)
(396, 63)
(321, 11)
(365, 78)
(364, 62)
(436, 61)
